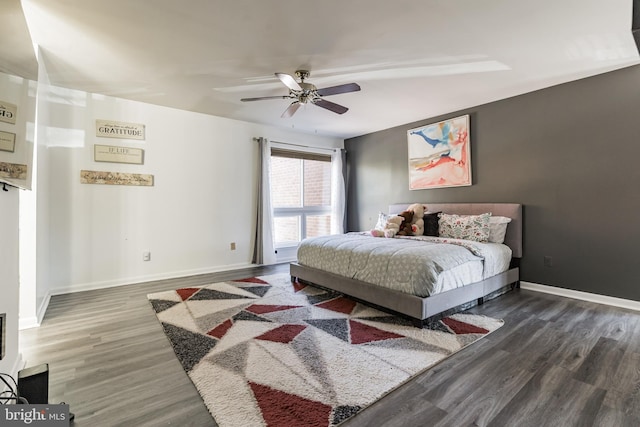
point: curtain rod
(333, 150)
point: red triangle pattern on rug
(462, 328)
(252, 280)
(185, 293)
(220, 330)
(297, 286)
(281, 409)
(283, 334)
(361, 333)
(340, 305)
(262, 309)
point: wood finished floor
(555, 362)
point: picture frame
(13, 171)
(120, 130)
(117, 154)
(116, 178)
(8, 112)
(439, 154)
(7, 141)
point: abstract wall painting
(440, 154)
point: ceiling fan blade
(331, 106)
(288, 81)
(264, 97)
(291, 110)
(334, 90)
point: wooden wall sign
(13, 170)
(113, 154)
(7, 141)
(8, 112)
(115, 178)
(123, 130)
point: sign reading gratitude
(8, 112)
(112, 129)
(112, 154)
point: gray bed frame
(422, 310)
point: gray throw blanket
(408, 265)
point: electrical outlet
(146, 256)
(233, 246)
(548, 261)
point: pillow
(467, 227)
(431, 224)
(498, 228)
(382, 221)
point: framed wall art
(113, 154)
(440, 154)
(7, 141)
(8, 112)
(116, 178)
(123, 130)
(13, 170)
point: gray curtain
(263, 250)
(338, 199)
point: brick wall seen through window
(301, 198)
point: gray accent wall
(570, 154)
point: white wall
(202, 200)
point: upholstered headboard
(513, 238)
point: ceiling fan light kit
(305, 93)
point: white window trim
(287, 251)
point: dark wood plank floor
(555, 362)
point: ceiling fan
(306, 93)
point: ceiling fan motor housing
(308, 93)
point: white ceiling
(413, 59)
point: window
(300, 197)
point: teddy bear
(391, 227)
(405, 227)
(417, 224)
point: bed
(421, 306)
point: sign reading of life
(112, 129)
(7, 141)
(112, 154)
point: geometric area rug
(264, 351)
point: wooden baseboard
(28, 323)
(584, 296)
(35, 321)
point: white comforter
(418, 265)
